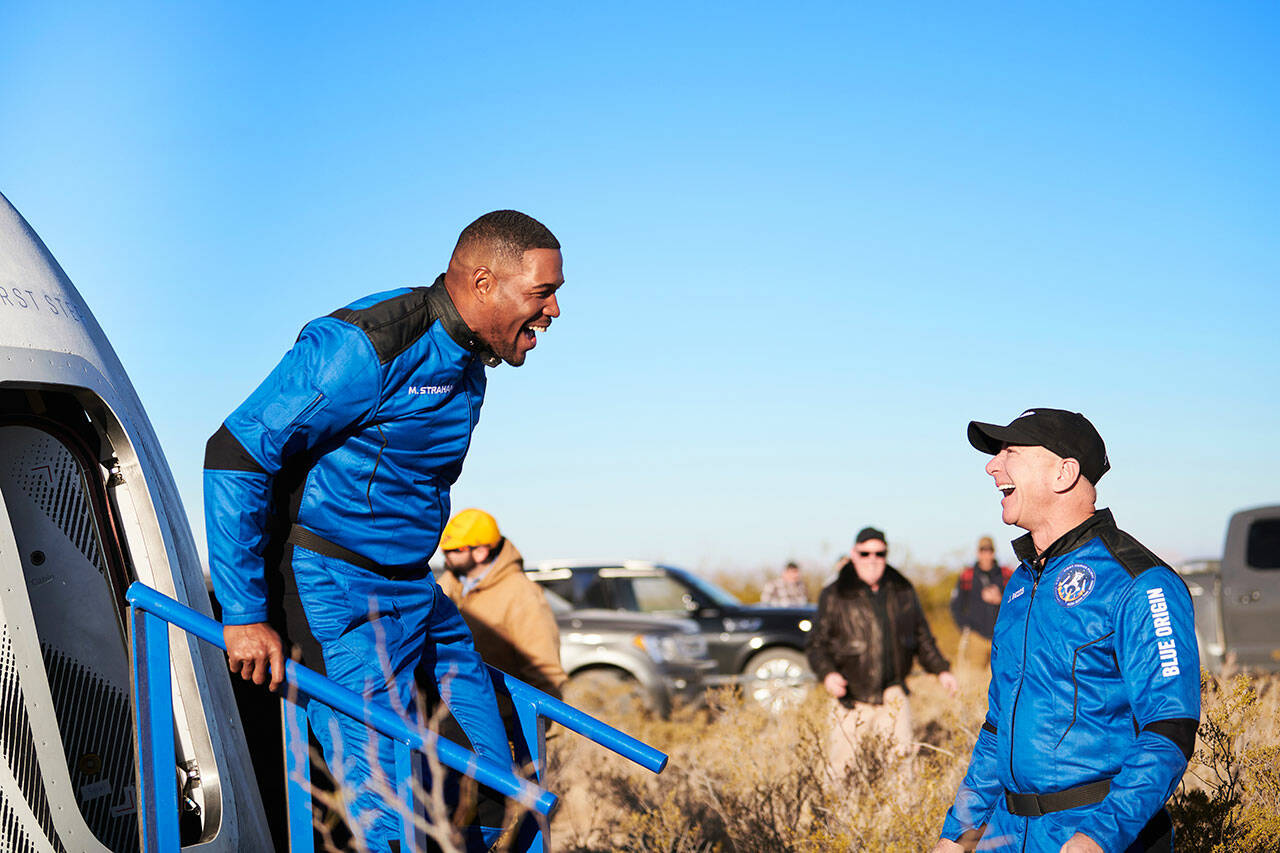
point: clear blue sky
(805, 243)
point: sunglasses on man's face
(872, 553)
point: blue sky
(804, 244)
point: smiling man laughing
(326, 492)
(1095, 677)
(505, 290)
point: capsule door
(72, 581)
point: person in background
(869, 630)
(513, 626)
(788, 590)
(975, 602)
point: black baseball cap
(1068, 434)
(868, 533)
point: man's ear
(1068, 475)
(482, 282)
(481, 553)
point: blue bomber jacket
(1095, 676)
(355, 437)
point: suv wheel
(606, 692)
(777, 678)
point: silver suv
(620, 661)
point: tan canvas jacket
(512, 623)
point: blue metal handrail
(151, 612)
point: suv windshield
(559, 606)
(720, 597)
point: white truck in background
(1237, 598)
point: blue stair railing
(150, 614)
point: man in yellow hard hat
(513, 626)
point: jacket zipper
(891, 614)
(1022, 673)
(471, 408)
(368, 492)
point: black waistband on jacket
(304, 538)
(1036, 805)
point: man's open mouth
(531, 332)
(1006, 489)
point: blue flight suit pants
(375, 633)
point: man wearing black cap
(1095, 685)
(869, 629)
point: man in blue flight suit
(1095, 687)
(326, 492)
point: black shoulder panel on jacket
(392, 325)
(1129, 552)
(224, 452)
(1182, 731)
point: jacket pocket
(288, 414)
(850, 657)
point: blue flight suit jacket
(356, 436)
(1095, 675)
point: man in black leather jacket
(870, 630)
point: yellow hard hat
(470, 528)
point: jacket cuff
(1104, 839)
(244, 617)
(952, 828)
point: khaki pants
(974, 651)
(850, 726)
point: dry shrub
(740, 779)
(1230, 797)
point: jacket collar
(508, 562)
(1025, 548)
(442, 306)
(849, 584)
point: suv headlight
(673, 647)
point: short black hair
(509, 233)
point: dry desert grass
(742, 780)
